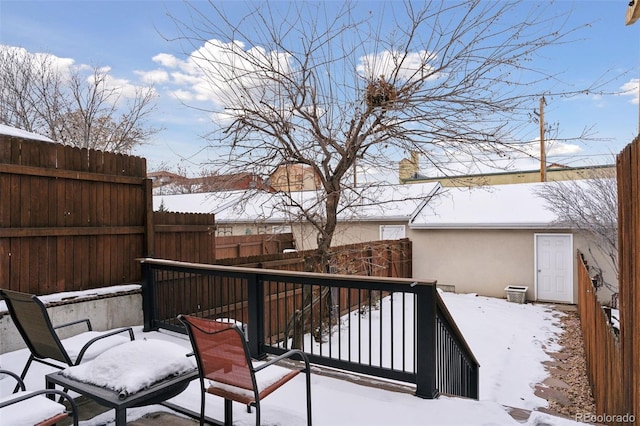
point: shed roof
(19, 133)
(498, 207)
(376, 203)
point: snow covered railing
(391, 328)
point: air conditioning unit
(516, 293)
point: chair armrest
(86, 320)
(286, 355)
(63, 395)
(21, 385)
(95, 339)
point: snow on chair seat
(28, 408)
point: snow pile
(133, 366)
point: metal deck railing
(391, 328)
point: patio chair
(223, 359)
(34, 407)
(32, 321)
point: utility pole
(543, 151)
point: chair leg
(202, 402)
(308, 397)
(257, 413)
(24, 372)
(228, 412)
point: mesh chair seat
(267, 381)
(227, 370)
(31, 318)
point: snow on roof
(19, 133)
(495, 207)
(376, 203)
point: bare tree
(43, 94)
(328, 85)
(591, 206)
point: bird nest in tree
(380, 92)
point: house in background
(483, 239)
(477, 240)
(294, 177)
(376, 213)
(286, 177)
(172, 183)
(554, 172)
(409, 172)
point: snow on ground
(508, 339)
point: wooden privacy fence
(613, 366)
(70, 219)
(75, 219)
(628, 173)
(187, 237)
(390, 259)
(237, 246)
(386, 258)
(602, 349)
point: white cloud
(166, 60)
(120, 87)
(413, 65)
(562, 148)
(182, 95)
(225, 74)
(62, 65)
(153, 77)
(631, 89)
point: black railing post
(148, 297)
(475, 382)
(426, 309)
(255, 295)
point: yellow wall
(521, 177)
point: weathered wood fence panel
(602, 349)
(388, 258)
(236, 246)
(184, 236)
(70, 219)
(628, 172)
(75, 219)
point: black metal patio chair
(223, 359)
(32, 320)
(19, 406)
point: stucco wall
(475, 261)
(305, 235)
(486, 261)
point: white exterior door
(554, 267)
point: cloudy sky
(134, 40)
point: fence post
(255, 295)
(149, 228)
(426, 341)
(148, 297)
